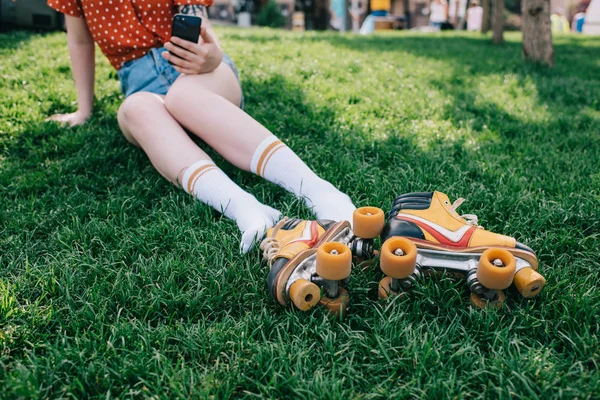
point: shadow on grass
(15, 39)
(99, 161)
(116, 251)
(79, 180)
(576, 57)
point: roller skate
(424, 234)
(310, 261)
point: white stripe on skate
(454, 236)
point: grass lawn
(113, 283)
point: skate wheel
(481, 303)
(397, 264)
(338, 305)
(368, 222)
(384, 291)
(529, 282)
(334, 261)
(304, 294)
(496, 277)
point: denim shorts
(152, 73)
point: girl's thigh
(221, 81)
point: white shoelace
(470, 218)
(270, 247)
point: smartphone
(186, 27)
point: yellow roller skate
(424, 233)
(310, 261)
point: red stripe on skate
(314, 236)
(314, 232)
(463, 243)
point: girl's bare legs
(146, 123)
(228, 130)
(207, 105)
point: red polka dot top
(126, 29)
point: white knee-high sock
(211, 186)
(277, 163)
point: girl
(171, 85)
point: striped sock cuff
(194, 172)
(263, 154)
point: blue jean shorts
(152, 73)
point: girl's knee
(139, 106)
(136, 111)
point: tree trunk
(537, 35)
(498, 37)
(485, 20)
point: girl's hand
(194, 58)
(73, 119)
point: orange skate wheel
(334, 261)
(384, 291)
(398, 257)
(481, 303)
(496, 276)
(337, 306)
(368, 222)
(529, 282)
(304, 294)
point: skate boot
(425, 234)
(310, 261)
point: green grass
(115, 284)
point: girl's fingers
(184, 70)
(57, 118)
(178, 51)
(207, 36)
(176, 61)
(189, 46)
(62, 119)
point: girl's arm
(81, 49)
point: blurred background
(366, 16)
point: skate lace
(471, 219)
(270, 247)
